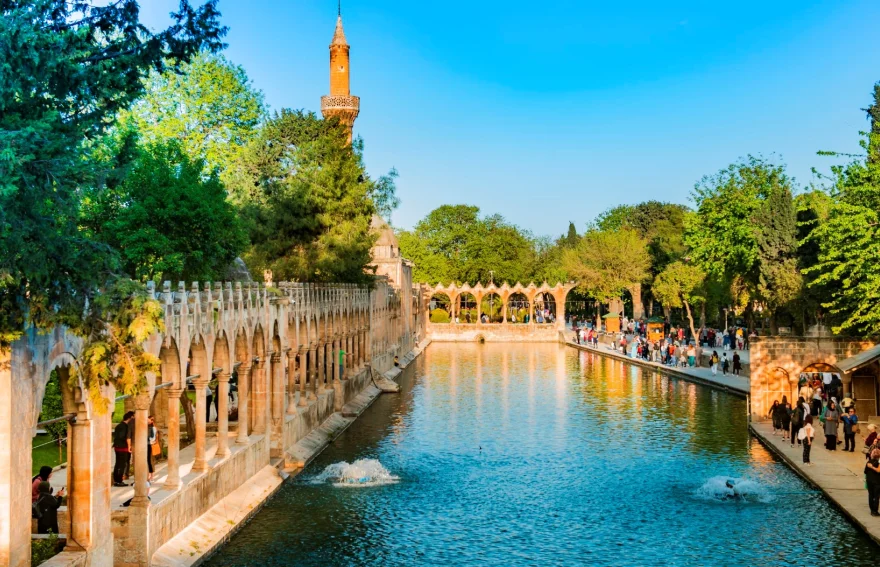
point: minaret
(339, 102)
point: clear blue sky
(553, 111)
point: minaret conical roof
(339, 34)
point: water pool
(534, 454)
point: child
(682, 360)
(805, 435)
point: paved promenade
(838, 474)
(738, 385)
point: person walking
(806, 435)
(725, 364)
(850, 428)
(48, 505)
(872, 481)
(797, 420)
(737, 364)
(785, 417)
(773, 414)
(832, 419)
(122, 448)
(714, 361)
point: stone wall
(493, 332)
(777, 362)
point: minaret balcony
(341, 104)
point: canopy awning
(847, 365)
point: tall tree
(743, 226)
(454, 244)
(307, 199)
(849, 240)
(76, 66)
(605, 262)
(167, 219)
(681, 285)
(209, 105)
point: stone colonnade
(285, 347)
(453, 291)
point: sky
(554, 111)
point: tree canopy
(849, 240)
(167, 220)
(76, 66)
(607, 262)
(455, 244)
(744, 232)
(209, 105)
(307, 200)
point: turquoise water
(543, 455)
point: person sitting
(44, 476)
(48, 507)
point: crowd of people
(822, 404)
(675, 347)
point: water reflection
(543, 455)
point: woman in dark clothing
(774, 415)
(48, 506)
(785, 417)
(872, 479)
(797, 420)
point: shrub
(439, 316)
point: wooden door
(865, 396)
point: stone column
(335, 356)
(313, 371)
(277, 405)
(139, 510)
(303, 355)
(244, 373)
(172, 481)
(504, 313)
(291, 381)
(560, 312)
(223, 417)
(80, 479)
(140, 447)
(349, 356)
(330, 365)
(319, 367)
(260, 397)
(200, 383)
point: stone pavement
(838, 474)
(738, 385)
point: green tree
(743, 226)
(76, 66)
(606, 262)
(209, 105)
(849, 240)
(307, 200)
(681, 285)
(454, 244)
(661, 224)
(167, 219)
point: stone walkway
(738, 385)
(838, 474)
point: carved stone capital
(142, 402)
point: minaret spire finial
(339, 8)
